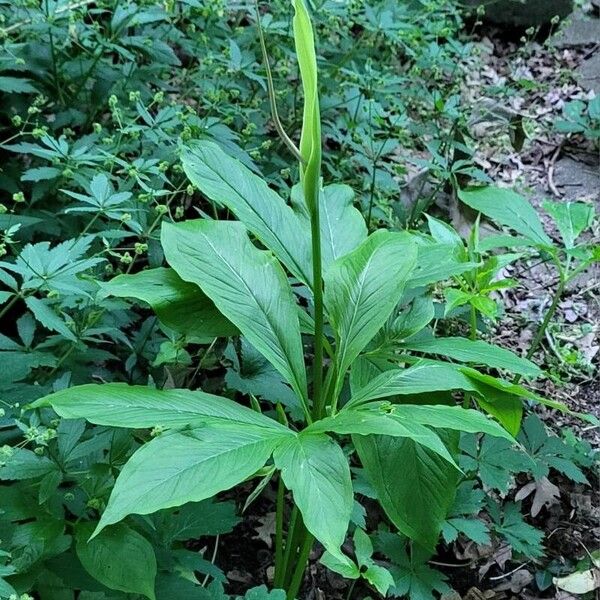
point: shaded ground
(556, 167)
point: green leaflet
(122, 405)
(477, 352)
(436, 262)
(247, 285)
(119, 558)
(177, 468)
(440, 416)
(373, 421)
(228, 182)
(505, 407)
(414, 485)
(342, 225)
(425, 376)
(179, 305)
(316, 470)
(571, 218)
(507, 208)
(363, 288)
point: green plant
(572, 219)
(344, 291)
(581, 117)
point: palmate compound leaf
(179, 305)
(247, 285)
(363, 288)
(316, 470)
(180, 467)
(136, 406)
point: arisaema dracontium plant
(342, 316)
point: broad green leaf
(408, 415)
(179, 305)
(425, 376)
(416, 318)
(444, 234)
(119, 558)
(227, 182)
(415, 486)
(436, 262)
(341, 565)
(137, 406)
(363, 288)
(316, 470)
(246, 284)
(374, 420)
(176, 468)
(505, 407)
(507, 208)
(342, 225)
(477, 352)
(571, 218)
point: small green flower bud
(18, 197)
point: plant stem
(298, 576)
(318, 302)
(280, 506)
(291, 545)
(10, 304)
(544, 325)
(473, 323)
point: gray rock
(582, 31)
(588, 74)
(523, 13)
(578, 180)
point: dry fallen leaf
(545, 494)
(579, 583)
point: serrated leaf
(48, 318)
